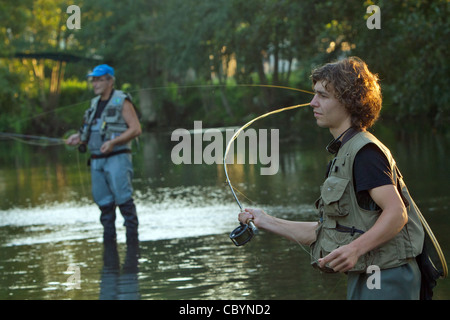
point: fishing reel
(244, 233)
(82, 148)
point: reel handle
(252, 226)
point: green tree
(409, 52)
(126, 35)
(35, 34)
(174, 43)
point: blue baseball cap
(101, 70)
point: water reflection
(48, 222)
(211, 267)
(119, 283)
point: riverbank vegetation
(200, 59)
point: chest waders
(111, 173)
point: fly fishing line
(33, 140)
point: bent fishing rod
(245, 231)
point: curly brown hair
(355, 87)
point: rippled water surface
(51, 245)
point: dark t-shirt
(101, 106)
(370, 170)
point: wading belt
(107, 155)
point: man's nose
(313, 102)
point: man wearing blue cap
(110, 125)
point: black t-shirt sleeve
(371, 169)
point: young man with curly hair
(367, 219)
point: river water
(50, 234)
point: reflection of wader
(342, 220)
(111, 173)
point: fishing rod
(245, 231)
(21, 137)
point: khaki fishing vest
(110, 124)
(342, 220)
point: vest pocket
(334, 204)
(111, 114)
(329, 239)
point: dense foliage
(186, 60)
